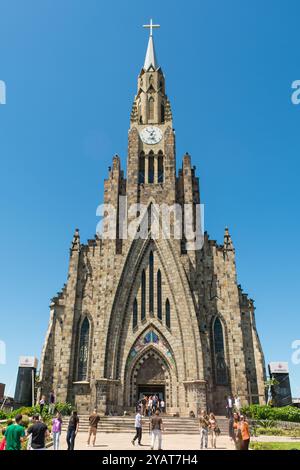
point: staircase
(125, 424)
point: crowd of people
(148, 405)
(15, 435)
(239, 431)
(208, 425)
(148, 411)
(156, 427)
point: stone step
(125, 424)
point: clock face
(151, 135)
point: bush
(265, 423)
(3, 415)
(285, 413)
(269, 432)
(277, 432)
(64, 408)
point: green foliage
(64, 408)
(2, 415)
(269, 432)
(266, 423)
(271, 383)
(273, 431)
(285, 413)
(275, 445)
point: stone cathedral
(144, 316)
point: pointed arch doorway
(150, 379)
(150, 375)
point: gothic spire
(228, 245)
(150, 58)
(75, 245)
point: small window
(168, 314)
(151, 290)
(142, 168)
(151, 168)
(134, 314)
(83, 350)
(143, 296)
(162, 113)
(151, 109)
(160, 168)
(159, 296)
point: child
(3, 442)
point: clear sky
(70, 68)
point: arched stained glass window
(162, 113)
(143, 296)
(168, 314)
(219, 353)
(159, 296)
(134, 314)
(151, 276)
(151, 167)
(160, 167)
(151, 108)
(83, 350)
(142, 168)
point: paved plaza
(122, 441)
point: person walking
(245, 433)
(162, 405)
(15, 434)
(38, 432)
(146, 407)
(52, 402)
(154, 403)
(93, 420)
(157, 428)
(150, 403)
(213, 426)
(237, 403)
(72, 430)
(229, 406)
(143, 405)
(42, 403)
(138, 429)
(56, 430)
(237, 435)
(203, 428)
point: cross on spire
(151, 26)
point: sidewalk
(122, 441)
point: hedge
(64, 408)
(285, 413)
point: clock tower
(151, 154)
(148, 312)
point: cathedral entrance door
(150, 377)
(150, 390)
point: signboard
(279, 368)
(28, 361)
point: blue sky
(70, 68)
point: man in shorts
(93, 420)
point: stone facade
(150, 314)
